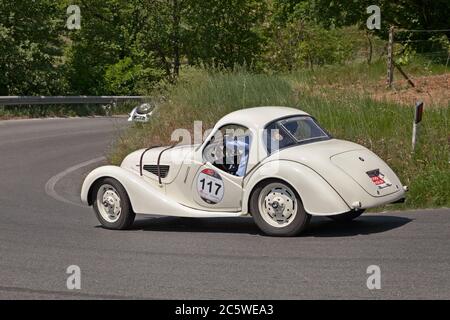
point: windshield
(291, 131)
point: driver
(241, 146)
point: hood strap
(142, 157)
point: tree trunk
(176, 37)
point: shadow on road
(206, 225)
(364, 225)
(319, 227)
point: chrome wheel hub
(108, 203)
(277, 204)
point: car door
(218, 179)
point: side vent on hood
(153, 168)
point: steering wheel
(214, 153)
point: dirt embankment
(432, 90)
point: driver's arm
(240, 145)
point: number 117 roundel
(210, 186)
(276, 164)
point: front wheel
(348, 216)
(112, 205)
(277, 209)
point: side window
(294, 130)
(228, 149)
(276, 138)
(303, 128)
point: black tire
(126, 217)
(347, 217)
(294, 228)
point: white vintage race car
(273, 163)
(142, 113)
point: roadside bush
(127, 77)
(300, 44)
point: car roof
(258, 117)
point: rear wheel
(348, 216)
(277, 209)
(112, 205)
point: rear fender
(317, 196)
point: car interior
(228, 150)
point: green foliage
(407, 14)
(302, 44)
(404, 14)
(126, 77)
(127, 46)
(223, 32)
(160, 32)
(30, 48)
(105, 39)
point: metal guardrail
(34, 100)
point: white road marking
(50, 185)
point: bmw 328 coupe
(274, 163)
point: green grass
(205, 96)
(383, 127)
(363, 74)
(341, 74)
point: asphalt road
(40, 236)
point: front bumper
(138, 118)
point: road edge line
(51, 183)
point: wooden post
(390, 58)
(448, 59)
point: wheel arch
(268, 180)
(90, 195)
(96, 176)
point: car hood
(171, 157)
(338, 160)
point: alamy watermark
(73, 281)
(374, 279)
(374, 21)
(74, 20)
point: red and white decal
(379, 179)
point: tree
(31, 47)
(297, 39)
(223, 32)
(105, 39)
(405, 14)
(162, 32)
